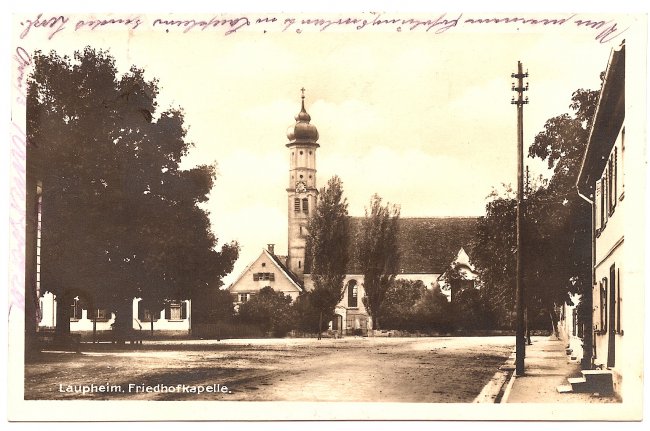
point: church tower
(302, 192)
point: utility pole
(520, 102)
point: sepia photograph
(327, 216)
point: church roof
(303, 132)
(427, 245)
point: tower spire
(302, 193)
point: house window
(597, 208)
(264, 276)
(305, 205)
(622, 161)
(619, 299)
(75, 309)
(615, 176)
(176, 310)
(296, 205)
(611, 183)
(100, 314)
(244, 297)
(603, 305)
(353, 294)
(145, 314)
(602, 204)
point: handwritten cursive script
(17, 216)
(232, 24)
(53, 24)
(604, 30)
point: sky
(422, 119)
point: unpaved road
(433, 370)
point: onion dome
(303, 131)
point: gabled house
(267, 270)
(461, 274)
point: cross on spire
(303, 92)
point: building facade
(601, 182)
(175, 316)
(267, 270)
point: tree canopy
(378, 254)
(557, 223)
(270, 310)
(120, 217)
(328, 241)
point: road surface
(352, 369)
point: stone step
(600, 381)
(578, 384)
(564, 389)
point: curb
(492, 392)
(506, 393)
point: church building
(428, 246)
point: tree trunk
(528, 340)
(320, 325)
(551, 314)
(123, 326)
(151, 324)
(62, 330)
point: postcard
(327, 216)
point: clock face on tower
(301, 187)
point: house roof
(427, 244)
(280, 261)
(608, 119)
(280, 265)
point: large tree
(558, 220)
(398, 310)
(378, 254)
(494, 255)
(328, 238)
(120, 218)
(557, 224)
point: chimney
(271, 248)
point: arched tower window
(296, 205)
(305, 205)
(353, 294)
